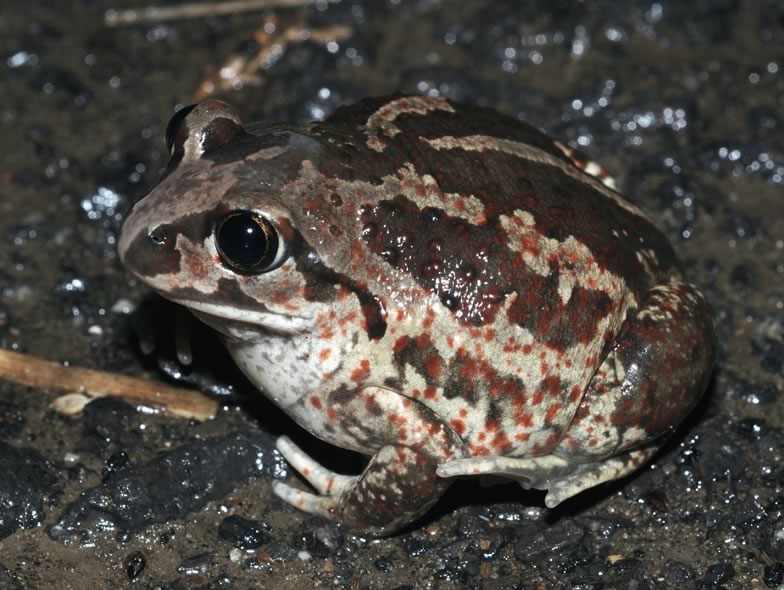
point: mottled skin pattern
(457, 296)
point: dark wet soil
(683, 101)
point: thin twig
(116, 18)
(244, 70)
(36, 372)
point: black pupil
(246, 242)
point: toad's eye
(248, 243)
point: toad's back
(490, 195)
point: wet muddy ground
(683, 101)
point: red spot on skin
(522, 436)
(424, 340)
(370, 401)
(526, 420)
(529, 243)
(552, 385)
(327, 376)
(434, 365)
(406, 403)
(306, 472)
(400, 315)
(332, 414)
(357, 251)
(350, 317)
(527, 349)
(501, 442)
(537, 398)
(361, 372)
(428, 321)
(481, 436)
(552, 411)
(551, 441)
(401, 454)
(478, 450)
(279, 298)
(491, 425)
(450, 340)
(397, 419)
(489, 335)
(583, 411)
(458, 426)
(511, 346)
(198, 267)
(315, 401)
(324, 354)
(574, 394)
(343, 294)
(463, 413)
(430, 393)
(400, 344)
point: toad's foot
(327, 483)
(399, 483)
(396, 487)
(561, 478)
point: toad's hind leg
(561, 477)
(653, 376)
(400, 482)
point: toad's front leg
(408, 442)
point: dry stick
(29, 370)
(115, 18)
(243, 69)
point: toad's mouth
(245, 324)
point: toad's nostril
(159, 236)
